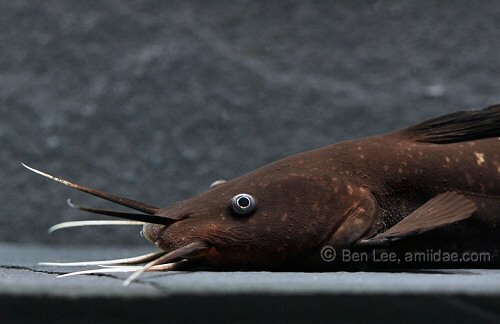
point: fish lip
(146, 233)
(152, 232)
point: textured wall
(156, 100)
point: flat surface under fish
(20, 275)
(31, 293)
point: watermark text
(330, 254)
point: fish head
(268, 218)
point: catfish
(434, 185)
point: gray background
(155, 100)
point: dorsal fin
(456, 127)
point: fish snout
(152, 232)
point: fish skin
(303, 201)
(416, 172)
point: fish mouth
(154, 220)
(154, 231)
(156, 234)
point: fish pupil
(244, 202)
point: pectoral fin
(442, 210)
(357, 222)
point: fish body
(341, 194)
(435, 185)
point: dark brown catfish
(435, 185)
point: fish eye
(243, 204)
